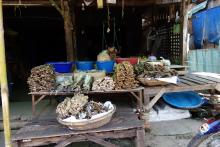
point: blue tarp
(206, 26)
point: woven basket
(153, 82)
(89, 124)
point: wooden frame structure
(70, 45)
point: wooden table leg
(155, 99)
(139, 97)
(141, 100)
(146, 98)
(146, 112)
(140, 138)
(33, 105)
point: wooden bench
(124, 124)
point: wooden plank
(181, 84)
(209, 78)
(90, 92)
(191, 88)
(199, 79)
(153, 91)
(71, 140)
(193, 80)
(187, 82)
(100, 141)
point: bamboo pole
(4, 84)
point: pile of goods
(107, 55)
(103, 56)
(78, 108)
(104, 84)
(42, 79)
(71, 106)
(147, 70)
(81, 83)
(124, 76)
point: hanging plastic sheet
(206, 27)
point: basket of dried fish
(154, 75)
(151, 82)
(78, 113)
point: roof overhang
(78, 2)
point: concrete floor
(163, 134)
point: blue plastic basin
(185, 100)
(107, 66)
(84, 65)
(62, 67)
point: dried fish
(42, 78)
(124, 76)
(71, 106)
(147, 70)
(103, 84)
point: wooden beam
(184, 22)
(4, 85)
(155, 99)
(26, 3)
(68, 27)
(79, 2)
(119, 3)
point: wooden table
(124, 124)
(189, 82)
(137, 93)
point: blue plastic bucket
(62, 67)
(107, 66)
(84, 65)
(185, 100)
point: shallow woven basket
(153, 82)
(90, 124)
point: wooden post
(4, 84)
(69, 35)
(184, 22)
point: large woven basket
(152, 82)
(90, 123)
